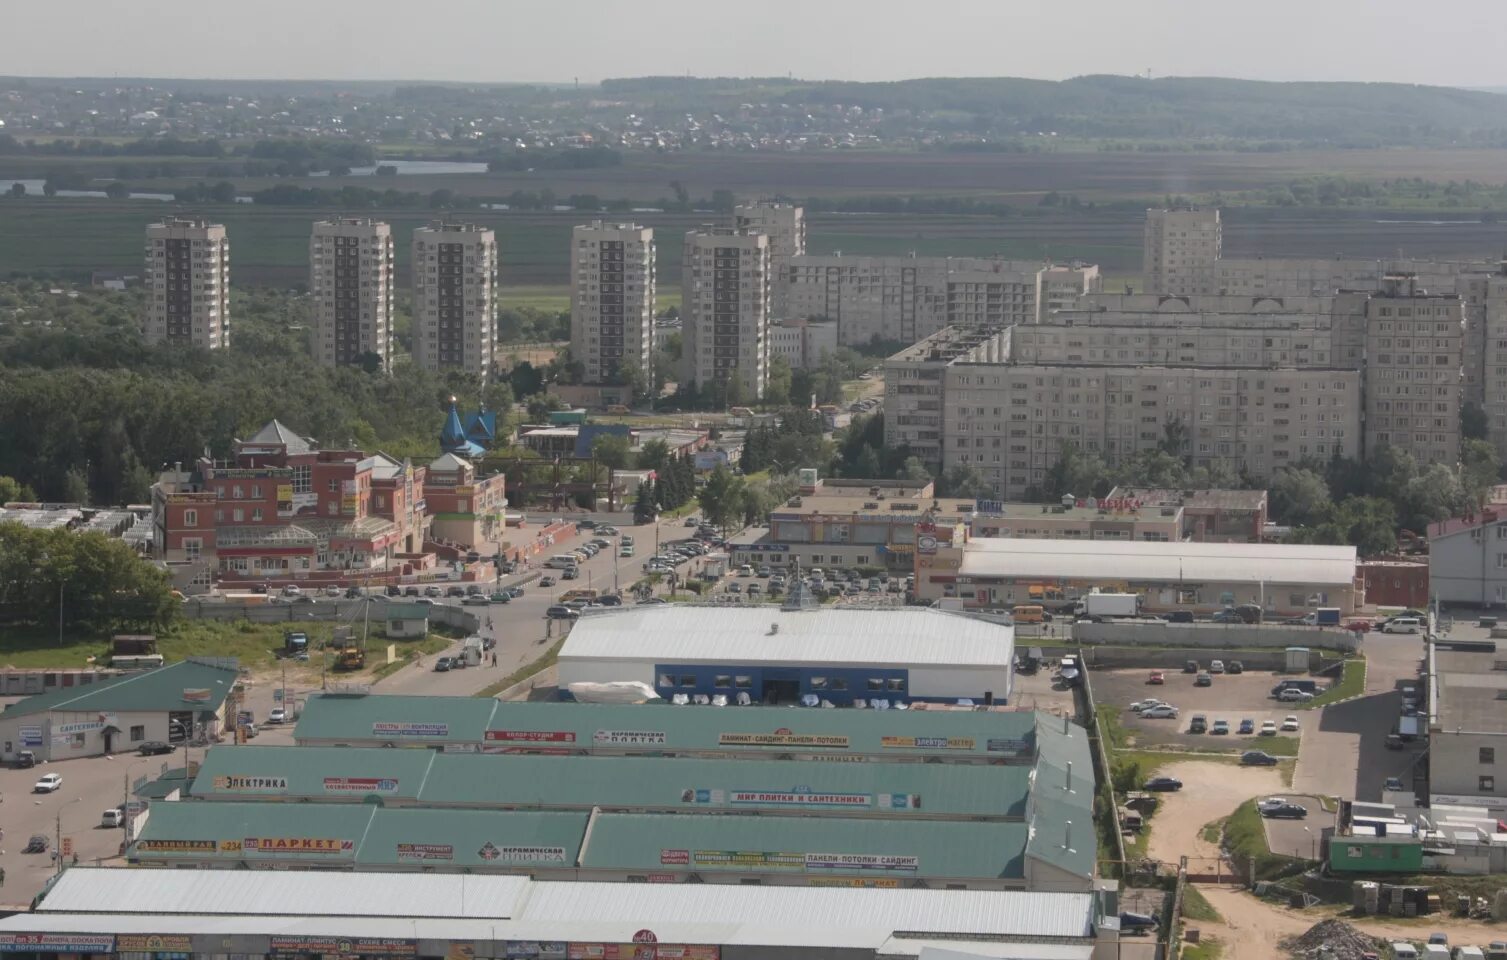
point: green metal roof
(920, 790)
(333, 773)
(157, 690)
(1062, 799)
(499, 725)
(805, 846)
(248, 831)
(474, 838)
(393, 719)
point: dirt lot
(1036, 692)
(1232, 698)
(1211, 791)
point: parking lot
(1294, 837)
(1233, 698)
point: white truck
(1108, 605)
(472, 651)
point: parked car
(1285, 810)
(432, 591)
(1204, 680)
(1290, 723)
(278, 715)
(113, 817)
(561, 612)
(410, 591)
(1140, 705)
(49, 783)
(1257, 758)
(1162, 711)
(1216, 666)
(1247, 727)
(352, 593)
(1294, 695)
(501, 596)
(1190, 667)
(546, 581)
(1157, 678)
(441, 664)
(1198, 724)
(1393, 783)
(37, 844)
(1220, 728)
(1235, 667)
(152, 748)
(1136, 921)
(393, 590)
(1268, 728)
(1164, 784)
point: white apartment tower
(1414, 352)
(351, 281)
(612, 300)
(455, 297)
(188, 284)
(725, 310)
(1180, 251)
(785, 226)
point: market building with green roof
(186, 700)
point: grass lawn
(1352, 684)
(1197, 907)
(1245, 837)
(1203, 950)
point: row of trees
(98, 580)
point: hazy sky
(1458, 42)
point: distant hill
(1104, 106)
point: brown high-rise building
(188, 284)
(612, 301)
(351, 283)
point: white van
(1403, 625)
(1404, 951)
(113, 817)
(562, 561)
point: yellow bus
(583, 593)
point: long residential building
(785, 226)
(612, 293)
(187, 277)
(1414, 355)
(726, 289)
(351, 268)
(455, 297)
(897, 298)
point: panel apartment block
(612, 300)
(455, 297)
(187, 272)
(1414, 352)
(785, 226)
(725, 282)
(1179, 251)
(351, 283)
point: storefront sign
(800, 798)
(643, 951)
(364, 946)
(532, 736)
(490, 852)
(362, 785)
(674, 858)
(66, 729)
(380, 729)
(426, 851)
(179, 846)
(252, 784)
(878, 883)
(536, 950)
(321, 845)
(1007, 746)
(31, 736)
(751, 859)
(56, 943)
(152, 943)
(629, 737)
(860, 861)
(782, 738)
(927, 743)
(703, 795)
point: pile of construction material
(1332, 940)
(1370, 897)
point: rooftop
(1246, 500)
(151, 691)
(687, 633)
(1470, 690)
(1251, 563)
(888, 504)
(275, 434)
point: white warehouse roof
(104, 900)
(1157, 562)
(898, 636)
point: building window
(722, 681)
(190, 518)
(743, 683)
(138, 733)
(1486, 784)
(1488, 754)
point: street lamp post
(58, 838)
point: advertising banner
(252, 784)
(426, 851)
(928, 743)
(1007, 746)
(531, 736)
(509, 854)
(536, 950)
(800, 798)
(329, 846)
(361, 785)
(84, 726)
(878, 883)
(629, 737)
(195, 695)
(382, 729)
(754, 859)
(643, 951)
(782, 738)
(56, 943)
(860, 861)
(703, 795)
(31, 736)
(179, 846)
(352, 946)
(152, 943)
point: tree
(777, 391)
(1473, 422)
(1299, 497)
(1433, 495)
(222, 192)
(18, 189)
(653, 455)
(1076, 472)
(611, 450)
(964, 480)
(867, 465)
(721, 498)
(644, 505)
(913, 471)
(116, 190)
(49, 188)
(1480, 469)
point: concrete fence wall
(1173, 658)
(1212, 636)
(340, 611)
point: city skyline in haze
(560, 41)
